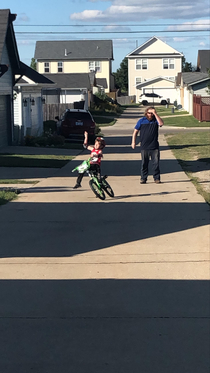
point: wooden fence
(201, 108)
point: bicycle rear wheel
(108, 189)
(96, 190)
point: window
(138, 80)
(60, 67)
(141, 64)
(46, 67)
(168, 63)
(95, 66)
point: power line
(104, 32)
(124, 25)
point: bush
(45, 140)
(50, 126)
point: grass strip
(6, 196)
(42, 161)
(193, 154)
(17, 181)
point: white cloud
(136, 11)
(23, 18)
(202, 44)
(201, 24)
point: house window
(141, 64)
(95, 66)
(46, 67)
(60, 67)
(138, 80)
(168, 63)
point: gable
(154, 47)
(158, 79)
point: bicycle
(97, 186)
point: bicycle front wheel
(108, 189)
(97, 190)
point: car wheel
(144, 102)
(163, 102)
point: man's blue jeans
(146, 155)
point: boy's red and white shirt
(96, 156)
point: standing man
(148, 127)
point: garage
(5, 121)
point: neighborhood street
(114, 286)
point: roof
(77, 80)
(154, 80)
(203, 62)
(194, 77)
(33, 75)
(138, 51)
(74, 50)
(7, 36)
(101, 82)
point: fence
(126, 100)
(50, 111)
(201, 108)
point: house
(9, 66)
(77, 57)
(70, 88)
(189, 84)
(152, 67)
(203, 61)
(28, 102)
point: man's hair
(146, 110)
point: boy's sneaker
(157, 181)
(77, 186)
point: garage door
(5, 124)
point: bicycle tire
(98, 192)
(108, 189)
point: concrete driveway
(117, 286)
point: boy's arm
(85, 143)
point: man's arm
(159, 120)
(133, 143)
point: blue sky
(183, 24)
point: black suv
(74, 122)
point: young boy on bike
(96, 155)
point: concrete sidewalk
(120, 285)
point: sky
(183, 24)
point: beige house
(74, 57)
(152, 68)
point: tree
(33, 63)
(186, 66)
(121, 76)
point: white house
(152, 67)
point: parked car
(74, 122)
(153, 98)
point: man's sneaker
(143, 181)
(157, 181)
(77, 186)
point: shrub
(49, 126)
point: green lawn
(192, 151)
(47, 161)
(186, 121)
(163, 111)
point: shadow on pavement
(67, 229)
(104, 326)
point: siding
(6, 79)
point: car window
(77, 116)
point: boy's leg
(79, 180)
(144, 165)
